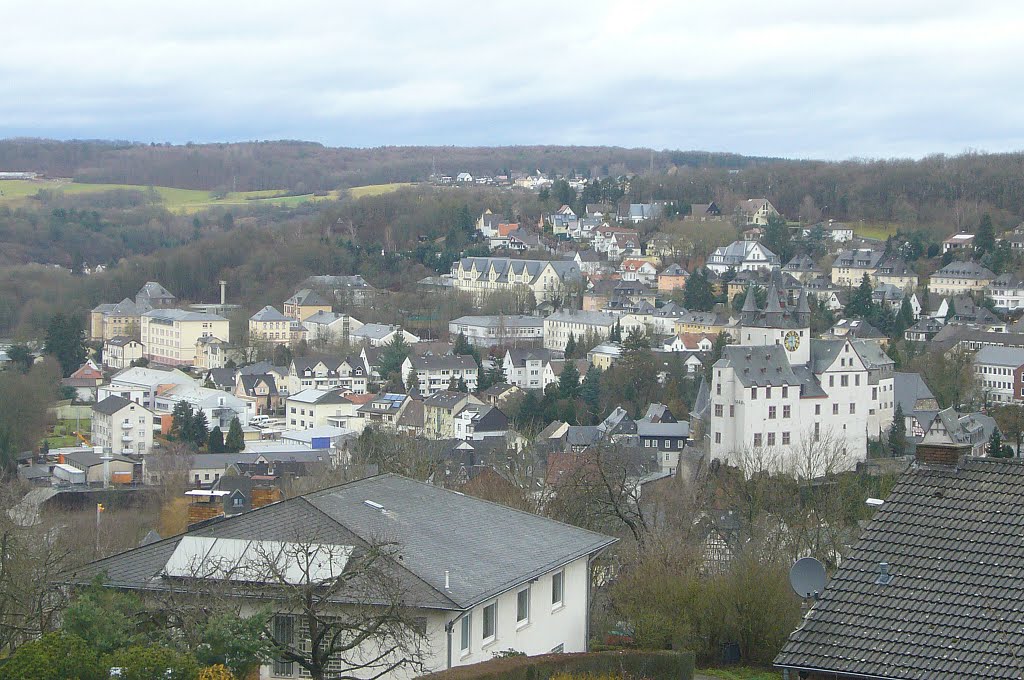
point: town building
(348, 374)
(672, 277)
(305, 303)
(440, 410)
(378, 334)
(499, 329)
(1007, 292)
(169, 336)
(997, 373)
(850, 266)
(271, 326)
(122, 426)
(958, 241)
(120, 351)
(219, 407)
(345, 290)
(108, 321)
(526, 587)
(782, 401)
(524, 368)
(311, 408)
(546, 279)
(960, 277)
(741, 256)
(436, 373)
(559, 326)
(755, 211)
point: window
(768, 392)
(785, 438)
(844, 381)
(757, 439)
(785, 391)
(771, 439)
(874, 393)
(523, 606)
(853, 407)
(817, 431)
(831, 381)
(718, 435)
(284, 632)
(732, 410)
(490, 617)
(718, 410)
(771, 413)
(856, 380)
(718, 388)
(753, 393)
(835, 409)
(557, 586)
(467, 627)
(817, 409)
(786, 411)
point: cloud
(786, 78)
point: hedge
(633, 663)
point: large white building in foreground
(784, 402)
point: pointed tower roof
(773, 304)
(750, 304)
(801, 304)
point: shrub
(634, 664)
(153, 661)
(56, 656)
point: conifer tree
(235, 440)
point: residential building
(440, 410)
(271, 326)
(960, 277)
(524, 368)
(499, 329)
(383, 410)
(84, 380)
(894, 271)
(1007, 291)
(328, 328)
(672, 277)
(850, 266)
(803, 268)
(638, 270)
(104, 468)
(154, 296)
(667, 438)
(917, 402)
(476, 422)
(435, 373)
(312, 408)
(378, 334)
(261, 390)
(141, 385)
(892, 297)
(120, 351)
(741, 256)
(579, 324)
(526, 586)
(959, 241)
(108, 321)
(996, 370)
(219, 407)
(169, 336)
(345, 290)
(347, 374)
(211, 352)
(924, 330)
(546, 279)
(707, 323)
(603, 355)
(705, 212)
(756, 211)
(122, 426)
(839, 232)
(305, 303)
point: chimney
(447, 580)
(223, 291)
(948, 455)
(883, 574)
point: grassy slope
(15, 192)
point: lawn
(376, 189)
(739, 673)
(63, 433)
(16, 192)
(879, 231)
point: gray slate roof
(952, 609)
(111, 405)
(909, 389)
(486, 548)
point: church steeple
(750, 310)
(803, 310)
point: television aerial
(807, 576)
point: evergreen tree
(462, 345)
(951, 310)
(569, 380)
(235, 440)
(216, 441)
(860, 304)
(985, 239)
(461, 386)
(198, 432)
(496, 373)
(898, 433)
(394, 355)
(995, 446)
(590, 391)
(21, 357)
(616, 334)
(453, 384)
(181, 420)
(65, 340)
(698, 295)
(412, 381)
(906, 316)
(570, 346)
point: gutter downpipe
(449, 628)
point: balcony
(126, 437)
(126, 426)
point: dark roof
(111, 405)
(249, 383)
(952, 608)
(486, 548)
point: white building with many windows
(783, 402)
(122, 426)
(499, 329)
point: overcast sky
(781, 78)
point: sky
(804, 79)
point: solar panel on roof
(245, 560)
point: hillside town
(620, 364)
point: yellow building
(960, 277)
(108, 321)
(304, 304)
(170, 336)
(270, 325)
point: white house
(142, 384)
(324, 328)
(436, 372)
(311, 408)
(487, 578)
(638, 270)
(1007, 291)
(742, 256)
(378, 334)
(996, 370)
(219, 406)
(579, 324)
(120, 351)
(499, 329)
(524, 368)
(122, 426)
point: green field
(879, 231)
(739, 673)
(16, 192)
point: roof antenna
(807, 577)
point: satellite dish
(807, 577)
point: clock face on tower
(791, 341)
